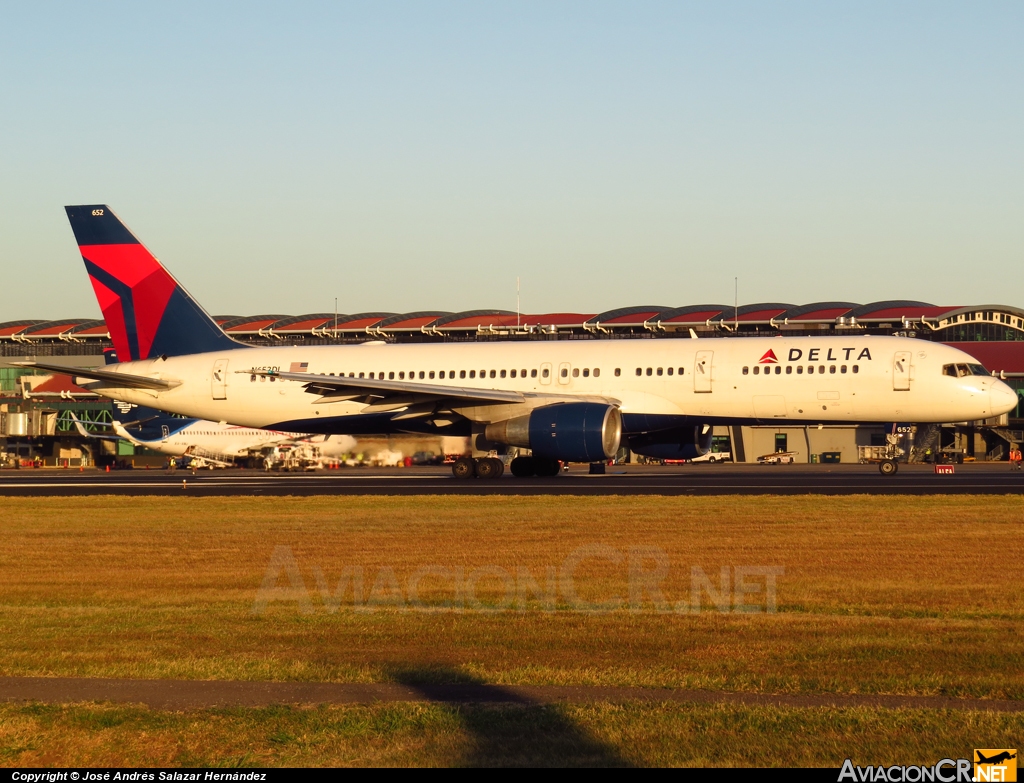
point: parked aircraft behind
(564, 400)
(208, 443)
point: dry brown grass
(436, 735)
(890, 595)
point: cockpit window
(963, 370)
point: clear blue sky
(404, 156)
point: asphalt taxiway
(978, 478)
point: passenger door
(219, 380)
(901, 371)
(702, 371)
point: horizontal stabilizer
(117, 380)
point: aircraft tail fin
(147, 311)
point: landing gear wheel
(888, 467)
(464, 468)
(489, 468)
(547, 467)
(523, 467)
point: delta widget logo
(768, 358)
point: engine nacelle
(569, 431)
(677, 443)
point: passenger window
(391, 376)
(659, 371)
(832, 369)
(441, 375)
(564, 372)
(757, 370)
(746, 370)
(856, 368)
(493, 374)
(586, 372)
(546, 373)
(513, 373)
(502, 373)
(799, 369)
(360, 375)
(649, 371)
(618, 371)
(669, 370)
(533, 374)
(575, 372)
(778, 369)
(401, 376)
(842, 369)
(462, 373)
(639, 371)
(789, 369)
(821, 369)
(371, 376)
(472, 373)
(522, 373)
(597, 372)
(431, 375)
(421, 375)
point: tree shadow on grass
(507, 729)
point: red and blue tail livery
(147, 312)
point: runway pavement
(978, 478)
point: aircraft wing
(117, 380)
(333, 388)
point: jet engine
(570, 431)
(676, 443)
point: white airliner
(207, 443)
(567, 400)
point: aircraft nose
(1003, 398)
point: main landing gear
(492, 468)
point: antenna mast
(736, 304)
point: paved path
(193, 694)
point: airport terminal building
(35, 410)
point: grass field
(903, 595)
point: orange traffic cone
(108, 468)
